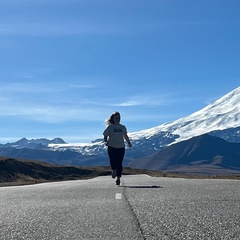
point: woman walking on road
(114, 136)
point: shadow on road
(142, 186)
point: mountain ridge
(222, 114)
(34, 143)
(222, 117)
(207, 154)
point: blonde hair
(110, 120)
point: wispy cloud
(60, 28)
(82, 86)
(10, 89)
(94, 27)
(29, 87)
(76, 101)
(27, 3)
(145, 100)
(48, 102)
(50, 113)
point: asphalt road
(142, 207)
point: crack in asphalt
(138, 224)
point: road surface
(142, 207)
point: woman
(114, 136)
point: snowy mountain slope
(203, 154)
(221, 119)
(222, 114)
(229, 135)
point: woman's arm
(105, 140)
(127, 139)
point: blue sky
(66, 65)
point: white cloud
(50, 113)
(66, 102)
(128, 103)
(141, 100)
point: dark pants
(116, 156)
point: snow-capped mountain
(34, 143)
(221, 119)
(222, 114)
(204, 154)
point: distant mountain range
(220, 119)
(40, 143)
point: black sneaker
(118, 181)
(113, 173)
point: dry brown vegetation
(22, 172)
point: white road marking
(118, 196)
